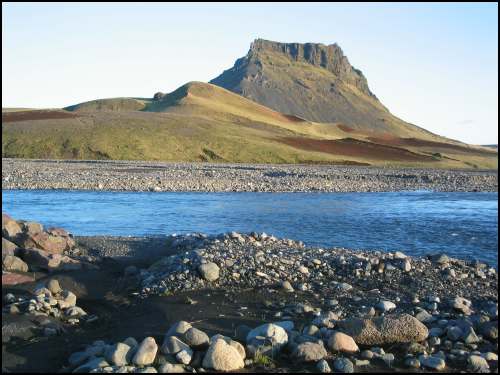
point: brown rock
(13, 263)
(44, 241)
(10, 228)
(32, 227)
(309, 352)
(8, 248)
(60, 232)
(402, 328)
(340, 342)
(41, 259)
(9, 278)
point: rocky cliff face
(329, 57)
(313, 81)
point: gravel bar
(205, 177)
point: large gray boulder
(195, 338)
(178, 329)
(209, 271)
(396, 329)
(309, 352)
(146, 352)
(173, 345)
(221, 356)
(274, 333)
(235, 344)
(118, 354)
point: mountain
(295, 121)
(315, 82)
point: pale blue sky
(434, 65)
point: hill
(203, 122)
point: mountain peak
(311, 80)
(329, 57)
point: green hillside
(203, 122)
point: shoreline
(204, 177)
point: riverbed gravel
(205, 177)
(351, 310)
(252, 302)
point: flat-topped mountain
(312, 81)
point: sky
(432, 64)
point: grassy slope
(197, 122)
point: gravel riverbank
(233, 301)
(156, 176)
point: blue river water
(463, 225)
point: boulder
(309, 352)
(13, 264)
(323, 367)
(146, 352)
(340, 342)
(31, 227)
(433, 362)
(173, 345)
(93, 364)
(440, 258)
(75, 311)
(178, 329)
(184, 356)
(43, 241)
(8, 248)
(10, 228)
(68, 300)
(170, 368)
(272, 332)
(209, 271)
(41, 259)
(9, 278)
(54, 287)
(395, 329)
(476, 363)
(221, 356)
(343, 365)
(117, 354)
(195, 338)
(60, 232)
(230, 342)
(385, 306)
(462, 304)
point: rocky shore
(157, 176)
(242, 302)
